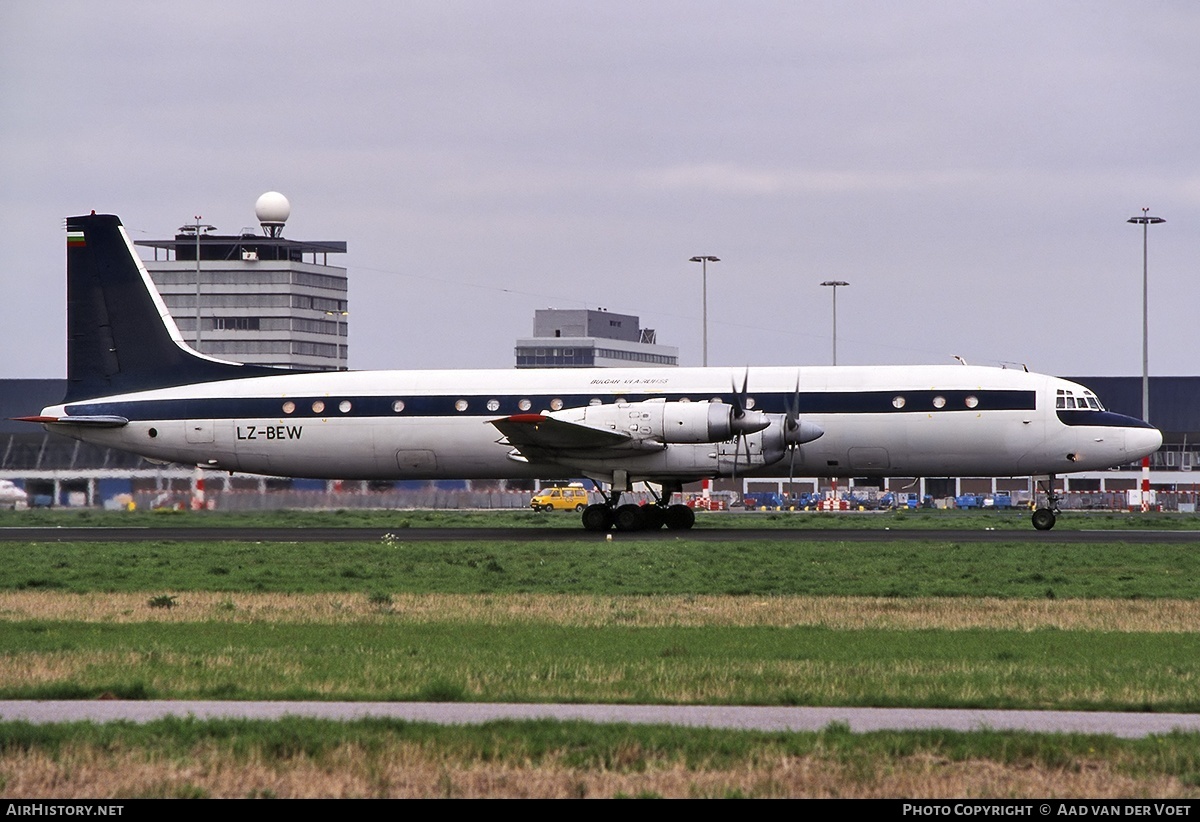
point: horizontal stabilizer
(93, 421)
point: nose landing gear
(1044, 518)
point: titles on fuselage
(269, 432)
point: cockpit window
(1065, 399)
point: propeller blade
(792, 423)
(742, 420)
(792, 406)
(792, 474)
(737, 452)
(739, 397)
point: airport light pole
(197, 228)
(704, 261)
(1145, 221)
(834, 284)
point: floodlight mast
(835, 284)
(1145, 221)
(197, 228)
(704, 261)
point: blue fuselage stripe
(447, 405)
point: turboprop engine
(669, 422)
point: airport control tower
(256, 298)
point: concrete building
(587, 338)
(263, 299)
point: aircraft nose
(1141, 442)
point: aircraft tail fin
(120, 336)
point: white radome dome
(272, 208)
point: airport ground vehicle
(572, 498)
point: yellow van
(573, 498)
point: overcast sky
(967, 166)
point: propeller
(795, 431)
(743, 421)
(791, 426)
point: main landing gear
(1044, 518)
(629, 517)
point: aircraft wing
(537, 436)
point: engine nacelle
(661, 452)
(669, 422)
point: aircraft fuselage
(896, 420)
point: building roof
(230, 246)
(1174, 401)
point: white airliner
(135, 385)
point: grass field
(538, 648)
(914, 623)
(924, 519)
(377, 758)
(900, 569)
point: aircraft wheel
(629, 518)
(597, 518)
(1043, 519)
(656, 517)
(680, 518)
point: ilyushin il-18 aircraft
(133, 384)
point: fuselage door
(198, 431)
(416, 461)
(869, 459)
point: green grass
(182, 652)
(171, 649)
(521, 518)
(905, 568)
(385, 655)
(446, 661)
